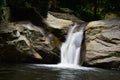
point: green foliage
(39, 5)
(19, 3)
(91, 9)
(3, 3)
(117, 54)
(66, 10)
(85, 9)
(28, 5)
(86, 14)
(56, 42)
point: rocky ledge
(24, 42)
(103, 43)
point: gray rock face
(24, 42)
(103, 43)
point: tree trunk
(4, 12)
(4, 15)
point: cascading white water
(70, 49)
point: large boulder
(103, 43)
(57, 22)
(59, 26)
(24, 42)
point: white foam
(64, 66)
(70, 52)
(70, 49)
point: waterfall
(70, 49)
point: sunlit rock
(103, 43)
(57, 22)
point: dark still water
(39, 72)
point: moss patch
(56, 42)
(116, 54)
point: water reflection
(88, 75)
(66, 75)
(27, 72)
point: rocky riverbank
(25, 42)
(102, 40)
